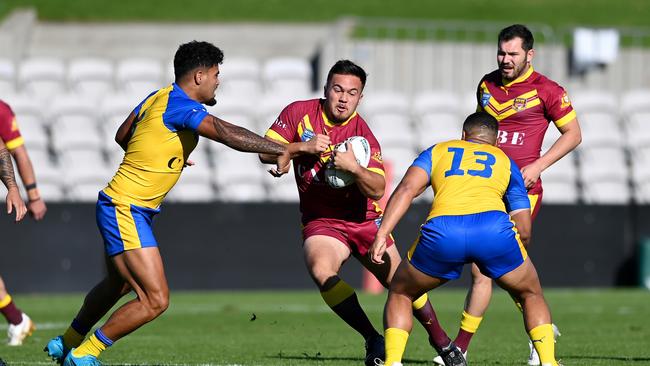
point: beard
(210, 103)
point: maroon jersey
(9, 132)
(299, 122)
(524, 107)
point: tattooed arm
(9, 180)
(244, 140)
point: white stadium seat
(42, 78)
(593, 101)
(7, 76)
(93, 77)
(560, 192)
(76, 131)
(600, 129)
(436, 101)
(240, 77)
(242, 192)
(234, 166)
(432, 128)
(288, 76)
(607, 192)
(637, 128)
(140, 76)
(635, 101)
(388, 117)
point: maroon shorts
(358, 236)
(535, 204)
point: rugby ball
(361, 148)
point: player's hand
(15, 203)
(317, 144)
(189, 163)
(531, 174)
(282, 165)
(345, 160)
(37, 209)
(378, 249)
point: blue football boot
(56, 349)
(89, 360)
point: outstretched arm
(415, 181)
(35, 204)
(9, 180)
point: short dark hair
(194, 54)
(347, 67)
(480, 121)
(518, 30)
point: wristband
(29, 187)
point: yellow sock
(337, 294)
(542, 337)
(72, 338)
(470, 323)
(395, 344)
(420, 302)
(92, 346)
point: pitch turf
(600, 327)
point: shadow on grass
(318, 357)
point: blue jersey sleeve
(137, 109)
(183, 113)
(516, 196)
(423, 161)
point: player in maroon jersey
(524, 102)
(20, 325)
(338, 223)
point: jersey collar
(328, 123)
(520, 79)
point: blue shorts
(124, 226)
(488, 239)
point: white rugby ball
(361, 148)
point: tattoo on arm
(242, 139)
(7, 169)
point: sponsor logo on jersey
(510, 138)
(485, 98)
(278, 122)
(519, 104)
(174, 162)
(565, 100)
(307, 135)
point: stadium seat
(194, 185)
(234, 166)
(27, 109)
(239, 110)
(388, 116)
(288, 76)
(468, 104)
(432, 128)
(7, 76)
(560, 192)
(139, 76)
(84, 172)
(396, 161)
(240, 77)
(41, 78)
(607, 192)
(606, 163)
(593, 101)
(600, 129)
(435, 101)
(637, 128)
(35, 136)
(92, 77)
(635, 101)
(269, 108)
(76, 131)
(551, 135)
(283, 191)
(562, 170)
(642, 192)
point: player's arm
(371, 184)
(415, 181)
(244, 140)
(35, 204)
(316, 145)
(125, 131)
(14, 202)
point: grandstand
(411, 88)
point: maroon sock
(12, 313)
(427, 317)
(462, 339)
(351, 312)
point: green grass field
(600, 327)
(556, 13)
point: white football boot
(438, 360)
(533, 358)
(17, 333)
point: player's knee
(157, 303)
(324, 278)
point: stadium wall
(257, 246)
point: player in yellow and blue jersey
(479, 192)
(157, 137)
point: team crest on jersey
(565, 100)
(377, 157)
(307, 135)
(485, 98)
(519, 104)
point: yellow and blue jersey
(474, 185)
(469, 178)
(164, 135)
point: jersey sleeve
(557, 105)
(424, 161)
(376, 162)
(516, 196)
(138, 108)
(9, 132)
(285, 127)
(184, 116)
